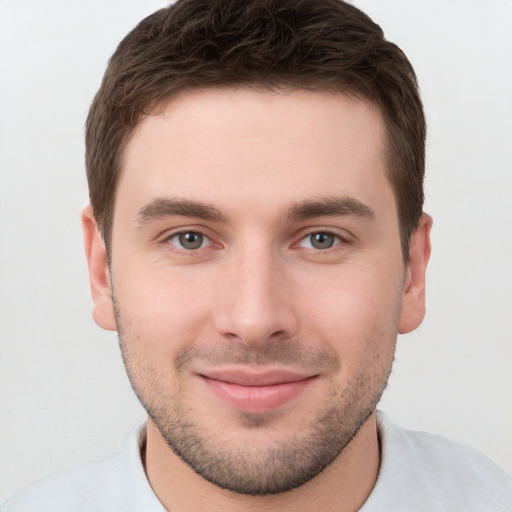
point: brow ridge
(165, 207)
(330, 207)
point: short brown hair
(291, 44)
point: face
(257, 279)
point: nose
(255, 305)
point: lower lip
(257, 399)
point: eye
(189, 240)
(320, 240)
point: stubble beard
(270, 469)
(277, 466)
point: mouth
(253, 392)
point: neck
(343, 486)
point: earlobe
(413, 301)
(99, 276)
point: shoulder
(430, 472)
(116, 482)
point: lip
(256, 392)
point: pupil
(322, 240)
(191, 240)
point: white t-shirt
(419, 472)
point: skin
(257, 295)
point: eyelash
(337, 239)
(190, 251)
(175, 247)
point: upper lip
(255, 379)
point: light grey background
(63, 393)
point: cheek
(356, 312)
(166, 311)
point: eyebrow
(165, 207)
(330, 207)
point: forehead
(240, 144)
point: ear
(99, 276)
(413, 300)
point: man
(256, 237)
